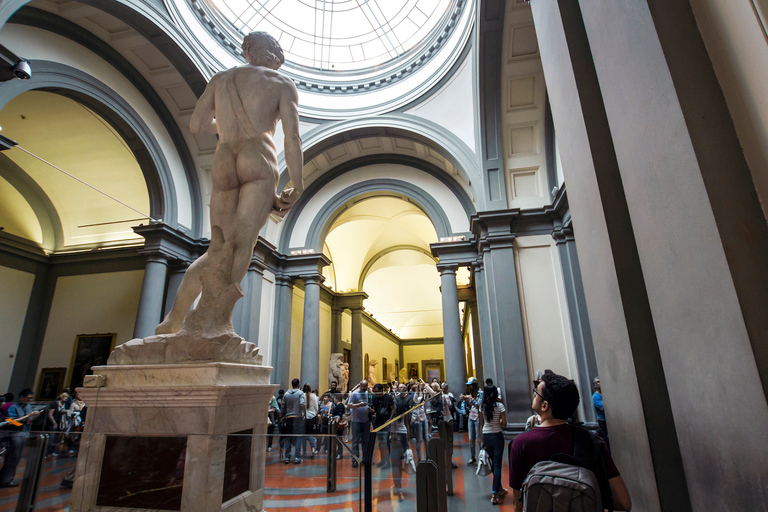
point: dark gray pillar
(175, 275)
(577, 313)
(336, 330)
(484, 324)
(453, 345)
(151, 298)
(494, 232)
(281, 355)
(356, 363)
(245, 316)
(310, 332)
(477, 351)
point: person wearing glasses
(555, 399)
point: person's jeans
(294, 426)
(475, 436)
(360, 432)
(421, 429)
(13, 456)
(494, 445)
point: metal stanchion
(445, 431)
(367, 462)
(437, 455)
(31, 479)
(331, 464)
(427, 489)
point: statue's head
(261, 49)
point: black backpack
(574, 483)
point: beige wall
(377, 346)
(325, 346)
(419, 353)
(14, 300)
(89, 304)
(297, 320)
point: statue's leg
(255, 201)
(188, 291)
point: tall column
(247, 310)
(336, 329)
(477, 350)
(310, 332)
(453, 344)
(496, 241)
(176, 274)
(577, 313)
(281, 355)
(356, 362)
(151, 298)
(484, 324)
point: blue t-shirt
(597, 399)
(360, 414)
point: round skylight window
(339, 35)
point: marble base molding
(207, 404)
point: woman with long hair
(493, 419)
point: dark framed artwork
(51, 383)
(433, 369)
(90, 350)
(413, 371)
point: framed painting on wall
(51, 383)
(433, 369)
(90, 350)
(413, 371)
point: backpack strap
(586, 450)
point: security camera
(22, 70)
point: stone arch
(87, 90)
(404, 126)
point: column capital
(283, 280)
(156, 258)
(563, 235)
(313, 279)
(447, 268)
(352, 300)
(159, 238)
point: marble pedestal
(202, 402)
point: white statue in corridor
(372, 372)
(241, 105)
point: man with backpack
(556, 452)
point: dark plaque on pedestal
(142, 472)
(237, 464)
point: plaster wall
(34, 43)
(735, 37)
(266, 316)
(683, 262)
(452, 106)
(14, 301)
(89, 304)
(548, 341)
(523, 102)
(377, 346)
(418, 353)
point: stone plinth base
(174, 423)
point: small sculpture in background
(334, 369)
(403, 375)
(344, 377)
(372, 372)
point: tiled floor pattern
(300, 488)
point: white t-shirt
(493, 426)
(312, 406)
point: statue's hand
(285, 201)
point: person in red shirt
(555, 399)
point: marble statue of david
(242, 105)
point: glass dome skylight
(338, 35)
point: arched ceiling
(380, 245)
(75, 138)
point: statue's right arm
(289, 115)
(203, 120)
